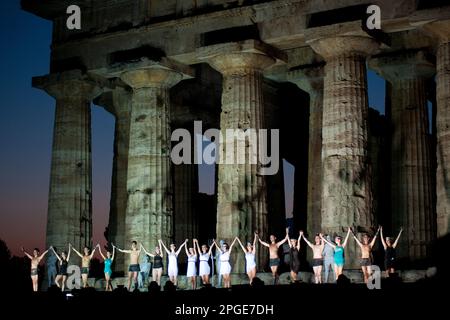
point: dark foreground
(243, 302)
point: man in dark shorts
(274, 259)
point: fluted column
(411, 183)
(69, 217)
(242, 194)
(441, 30)
(346, 192)
(121, 108)
(310, 80)
(149, 184)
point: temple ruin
(297, 65)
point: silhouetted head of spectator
(257, 282)
(343, 281)
(169, 287)
(153, 287)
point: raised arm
(326, 241)
(232, 244)
(196, 245)
(306, 240)
(240, 243)
(113, 253)
(346, 238)
(372, 243)
(42, 255)
(68, 252)
(101, 253)
(288, 240)
(26, 253)
(398, 238)
(56, 255)
(164, 246)
(263, 243)
(181, 247)
(356, 239)
(76, 251)
(382, 238)
(298, 241)
(254, 244)
(146, 252)
(285, 238)
(217, 246)
(93, 251)
(186, 249)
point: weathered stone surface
(310, 79)
(242, 194)
(69, 218)
(411, 169)
(149, 215)
(120, 107)
(441, 30)
(346, 192)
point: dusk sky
(26, 126)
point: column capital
(147, 73)
(308, 78)
(236, 57)
(68, 84)
(337, 46)
(405, 65)
(439, 30)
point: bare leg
(135, 274)
(34, 280)
(130, 275)
(274, 274)
(58, 277)
(63, 283)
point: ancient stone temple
(299, 66)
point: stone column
(346, 193)
(242, 194)
(185, 218)
(69, 217)
(149, 181)
(310, 80)
(441, 30)
(411, 185)
(120, 108)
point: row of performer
(203, 254)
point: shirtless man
(35, 260)
(274, 259)
(366, 253)
(85, 262)
(317, 249)
(134, 268)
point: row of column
(339, 192)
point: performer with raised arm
(274, 259)
(63, 263)
(389, 251)
(366, 253)
(205, 255)
(35, 260)
(191, 273)
(134, 268)
(317, 249)
(157, 267)
(294, 259)
(339, 255)
(108, 260)
(250, 257)
(85, 262)
(225, 267)
(172, 269)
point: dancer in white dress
(205, 255)
(250, 258)
(191, 273)
(225, 267)
(172, 269)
